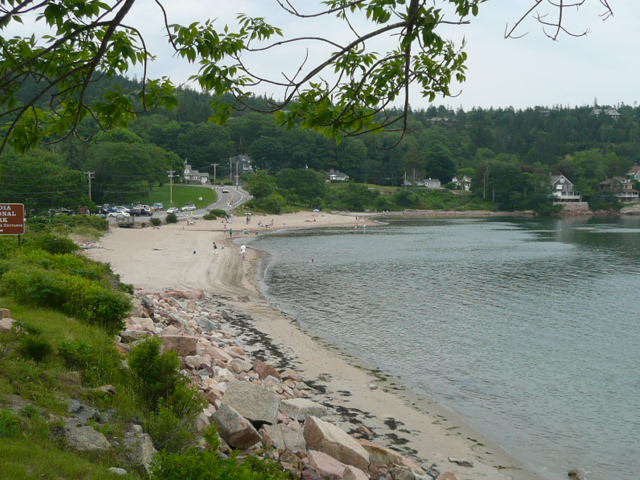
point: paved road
(229, 198)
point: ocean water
(530, 329)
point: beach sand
(181, 256)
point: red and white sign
(11, 219)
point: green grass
(26, 459)
(182, 195)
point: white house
(462, 182)
(194, 176)
(245, 163)
(336, 176)
(430, 183)
(562, 189)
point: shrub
(53, 243)
(209, 216)
(208, 465)
(9, 424)
(172, 403)
(35, 348)
(76, 296)
(156, 222)
(218, 212)
(171, 218)
(98, 364)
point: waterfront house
(336, 176)
(194, 176)
(621, 188)
(634, 173)
(562, 189)
(244, 163)
(462, 182)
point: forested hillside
(508, 153)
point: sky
(530, 71)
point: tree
(93, 38)
(302, 186)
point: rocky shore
(258, 400)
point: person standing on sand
(215, 247)
(230, 232)
(243, 250)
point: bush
(209, 216)
(218, 212)
(156, 222)
(35, 348)
(172, 403)
(52, 243)
(9, 424)
(171, 218)
(208, 465)
(98, 364)
(84, 299)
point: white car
(225, 190)
(173, 210)
(118, 214)
(188, 207)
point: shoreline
(414, 425)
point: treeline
(508, 153)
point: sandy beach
(181, 256)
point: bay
(530, 329)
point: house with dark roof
(562, 189)
(621, 188)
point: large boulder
(85, 439)
(264, 370)
(301, 408)
(234, 429)
(182, 344)
(139, 448)
(5, 324)
(333, 441)
(283, 438)
(254, 402)
(328, 467)
(380, 454)
(353, 473)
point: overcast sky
(530, 71)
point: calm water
(530, 329)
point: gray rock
(82, 413)
(139, 448)
(6, 324)
(234, 429)
(130, 336)
(118, 471)
(85, 439)
(301, 408)
(254, 402)
(206, 324)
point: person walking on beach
(243, 250)
(230, 232)
(215, 247)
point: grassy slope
(183, 194)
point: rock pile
(257, 401)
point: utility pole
(170, 174)
(89, 178)
(231, 170)
(237, 179)
(215, 165)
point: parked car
(141, 210)
(118, 214)
(173, 210)
(188, 207)
(225, 190)
(157, 206)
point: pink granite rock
(183, 344)
(327, 466)
(333, 441)
(380, 454)
(264, 369)
(218, 354)
(353, 473)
